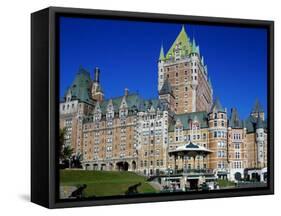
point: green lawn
(225, 183)
(104, 183)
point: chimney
(97, 75)
(126, 92)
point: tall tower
(218, 138)
(260, 138)
(186, 72)
(97, 93)
(161, 68)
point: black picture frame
(45, 100)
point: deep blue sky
(127, 54)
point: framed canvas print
(139, 107)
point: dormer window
(122, 113)
(195, 126)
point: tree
(65, 151)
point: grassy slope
(225, 183)
(104, 183)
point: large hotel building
(131, 133)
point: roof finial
(198, 50)
(259, 123)
(97, 75)
(193, 42)
(217, 106)
(257, 107)
(182, 28)
(162, 55)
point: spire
(183, 41)
(217, 106)
(198, 49)
(97, 75)
(193, 46)
(206, 69)
(235, 121)
(257, 108)
(162, 55)
(80, 85)
(210, 83)
(259, 123)
(182, 28)
(166, 88)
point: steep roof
(162, 55)
(257, 107)
(201, 117)
(134, 102)
(80, 88)
(166, 88)
(217, 107)
(194, 47)
(235, 121)
(251, 124)
(182, 39)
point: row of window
(216, 115)
(221, 154)
(216, 123)
(157, 153)
(188, 137)
(237, 136)
(145, 163)
(219, 134)
(68, 106)
(222, 165)
(221, 144)
(157, 124)
(237, 164)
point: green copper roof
(80, 88)
(134, 102)
(217, 106)
(252, 123)
(235, 121)
(162, 55)
(194, 47)
(257, 107)
(185, 118)
(183, 40)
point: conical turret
(217, 107)
(161, 55)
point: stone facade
(136, 134)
